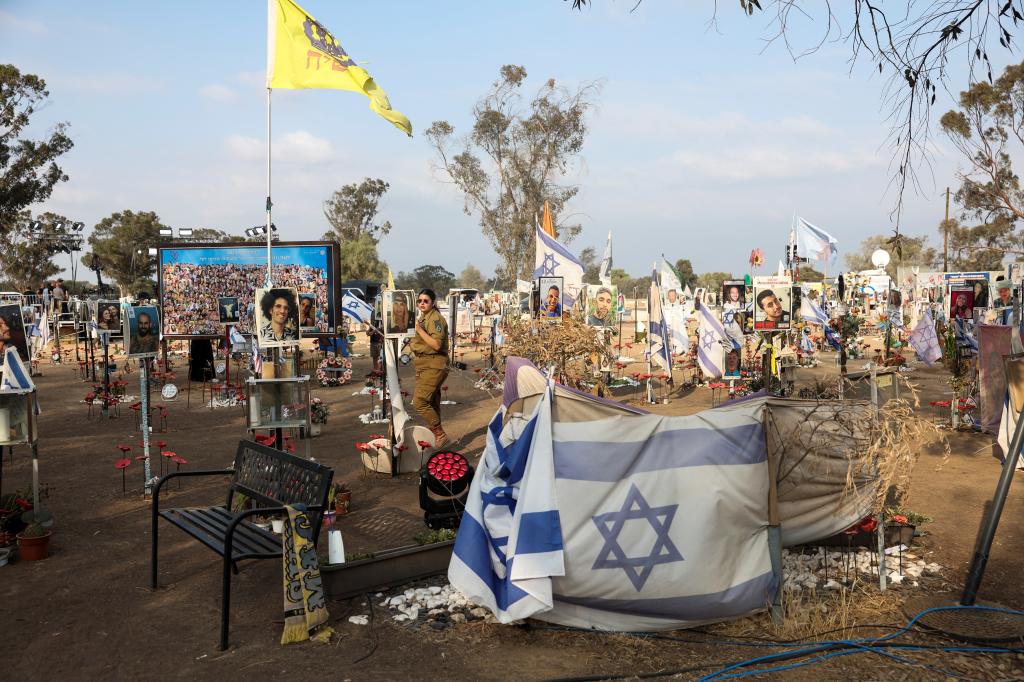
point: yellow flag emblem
(301, 53)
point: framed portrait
(732, 364)
(399, 316)
(961, 303)
(12, 331)
(734, 293)
(671, 297)
(550, 298)
(108, 317)
(980, 288)
(307, 312)
(602, 309)
(142, 331)
(227, 309)
(277, 317)
(772, 303)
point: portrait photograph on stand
(550, 295)
(601, 305)
(108, 317)
(399, 318)
(12, 331)
(961, 303)
(227, 309)
(734, 294)
(277, 317)
(772, 302)
(142, 331)
(307, 312)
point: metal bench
(271, 479)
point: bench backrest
(273, 478)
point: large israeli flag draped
(554, 260)
(812, 312)
(659, 345)
(626, 522)
(814, 242)
(711, 336)
(669, 280)
(15, 376)
(356, 308)
(925, 341)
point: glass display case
(18, 422)
(278, 403)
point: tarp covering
(589, 513)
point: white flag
(814, 242)
(606, 263)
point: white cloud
(245, 148)
(10, 22)
(298, 146)
(771, 163)
(218, 93)
(252, 78)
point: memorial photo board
(277, 317)
(602, 310)
(12, 331)
(550, 298)
(399, 316)
(142, 331)
(772, 303)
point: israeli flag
(812, 312)
(733, 329)
(814, 242)
(554, 260)
(925, 341)
(16, 377)
(964, 332)
(711, 335)
(675, 318)
(356, 308)
(661, 351)
(628, 522)
(510, 541)
(236, 337)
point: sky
(704, 144)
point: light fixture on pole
(166, 232)
(880, 258)
(261, 230)
(185, 232)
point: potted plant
(319, 411)
(12, 506)
(340, 497)
(34, 541)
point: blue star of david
(708, 341)
(610, 524)
(729, 316)
(547, 267)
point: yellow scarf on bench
(305, 607)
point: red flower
(423, 443)
(445, 387)
(161, 444)
(403, 448)
(139, 458)
(23, 503)
(869, 524)
(169, 454)
(124, 448)
(122, 463)
(363, 447)
(178, 459)
(899, 518)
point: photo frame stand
(106, 374)
(147, 469)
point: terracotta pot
(342, 501)
(34, 549)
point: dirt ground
(87, 611)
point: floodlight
(444, 488)
(166, 232)
(35, 225)
(880, 258)
(78, 227)
(184, 231)
(58, 227)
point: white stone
(435, 612)
(401, 618)
(359, 620)
(479, 612)
(895, 578)
(434, 589)
(458, 618)
(414, 613)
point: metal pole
(269, 203)
(945, 237)
(144, 390)
(988, 532)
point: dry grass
(575, 350)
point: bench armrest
(164, 479)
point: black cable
(373, 633)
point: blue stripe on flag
(737, 600)
(612, 462)
(553, 245)
(474, 549)
(539, 532)
(513, 458)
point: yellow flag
(301, 53)
(547, 224)
(391, 280)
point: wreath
(334, 378)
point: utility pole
(945, 237)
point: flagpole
(269, 204)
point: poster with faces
(602, 310)
(277, 317)
(399, 316)
(772, 303)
